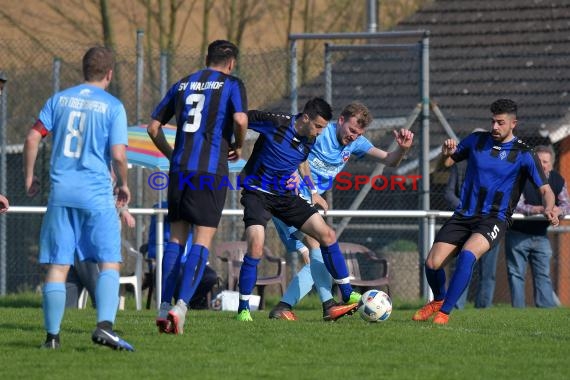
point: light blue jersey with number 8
(82, 120)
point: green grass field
(498, 343)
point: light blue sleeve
(361, 146)
(46, 114)
(119, 133)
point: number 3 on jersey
(196, 103)
(74, 137)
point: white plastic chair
(136, 279)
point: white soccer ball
(375, 306)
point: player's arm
(31, 147)
(316, 198)
(404, 138)
(548, 199)
(240, 131)
(154, 130)
(120, 166)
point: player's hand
(32, 186)
(317, 200)
(404, 138)
(4, 204)
(234, 154)
(448, 147)
(128, 219)
(293, 182)
(123, 196)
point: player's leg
(201, 206)
(87, 272)
(301, 283)
(486, 233)
(316, 227)
(103, 245)
(57, 248)
(487, 272)
(452, 235)
(255, 235)
(517, 247)
(255, 217)
(540, 264)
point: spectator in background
(487, 265)
(4, 204)
(527, 240)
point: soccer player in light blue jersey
(498, 165)
(89, 131)
(332, 150)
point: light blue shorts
(93, 234)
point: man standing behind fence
(89, 128)
(527, 240)
(207, 104)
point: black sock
(105, 325)
(328, 303)
(283, 306)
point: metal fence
(36, 74)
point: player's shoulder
(522, 145)
(268, 116)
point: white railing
(160, 213)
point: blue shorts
(93, 234)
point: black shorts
(260, 206)
(459, 228)
(196, 198)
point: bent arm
(156, 134)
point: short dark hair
(358, 110)
(318, 107)
(501, 106)
(220, 52)
(97, 62)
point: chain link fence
(387, 80)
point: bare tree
(238, 16)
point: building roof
(479, 51)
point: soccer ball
(375, 306)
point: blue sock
(436, 281)
(247, 280)
(53, 305)
(320, 275)
(170, 270)
(459, 280)
(334, 261)
(193, 271)
(107, 295)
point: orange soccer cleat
(441, 318)
(427, 311)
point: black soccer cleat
(110, 339)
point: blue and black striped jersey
(203, 103)
(496, 174)
(277, 152)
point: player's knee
(328, 237)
